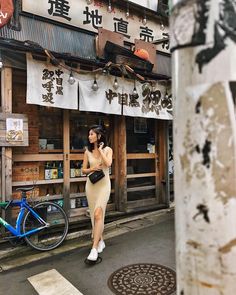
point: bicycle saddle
(25, 189)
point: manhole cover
(143, 279)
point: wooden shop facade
(60, 77)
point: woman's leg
(98, 227)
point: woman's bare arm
(106, 155)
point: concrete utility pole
(204, 70)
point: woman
(98, 156)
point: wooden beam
(141, 156)
(6, 89)
(37, 157)
(66, 159)
(121, 166)
(6, 102)
(140, 175)
(157, 149)
(163, 161)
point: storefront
(51, 160)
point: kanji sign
(48, 85)
(156, 103)
(94, 16)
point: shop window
(140, 135)
(79, 125)
(141, 195)
(50, 129)
(136, 166)
(142, 181)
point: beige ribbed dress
(98, 193)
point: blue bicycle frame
(17, 230)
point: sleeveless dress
(98, 193)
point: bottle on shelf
(60, 170)
(72, 169)
(81, 172)
(78, 202)
(77, 169)
(72, 203)
(47, 171)
(54, 171)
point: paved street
(153, 244)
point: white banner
(79, 14)
(156, 104)
(48, 85)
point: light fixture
(146, 88)
(166, 95)
(144, 21)
(95, 85)
(127, 10)
(109, 8)
(115, 84)
(152, 92)
(71, 79)
(105, 72)
(162, 27)
(89, 2)
(134, 93)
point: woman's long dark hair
(98, 129)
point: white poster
(14, 129)
(48, 85)
(156, 103)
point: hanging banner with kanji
(48, 85)
(6, 11)
(145, 101)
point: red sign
(6, 11)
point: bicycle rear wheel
(51, 236)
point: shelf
(37, 157)
(50, 181)
(81, 179)
(31, 182)
(141, 156)
(47, 151)
(46, 157)
(78, 179)
(140, 175)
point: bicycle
(43, 226)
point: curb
(22, 255)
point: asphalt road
(153, 244)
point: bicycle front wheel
(53, 234)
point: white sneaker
(93, 255)
(101, 246)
